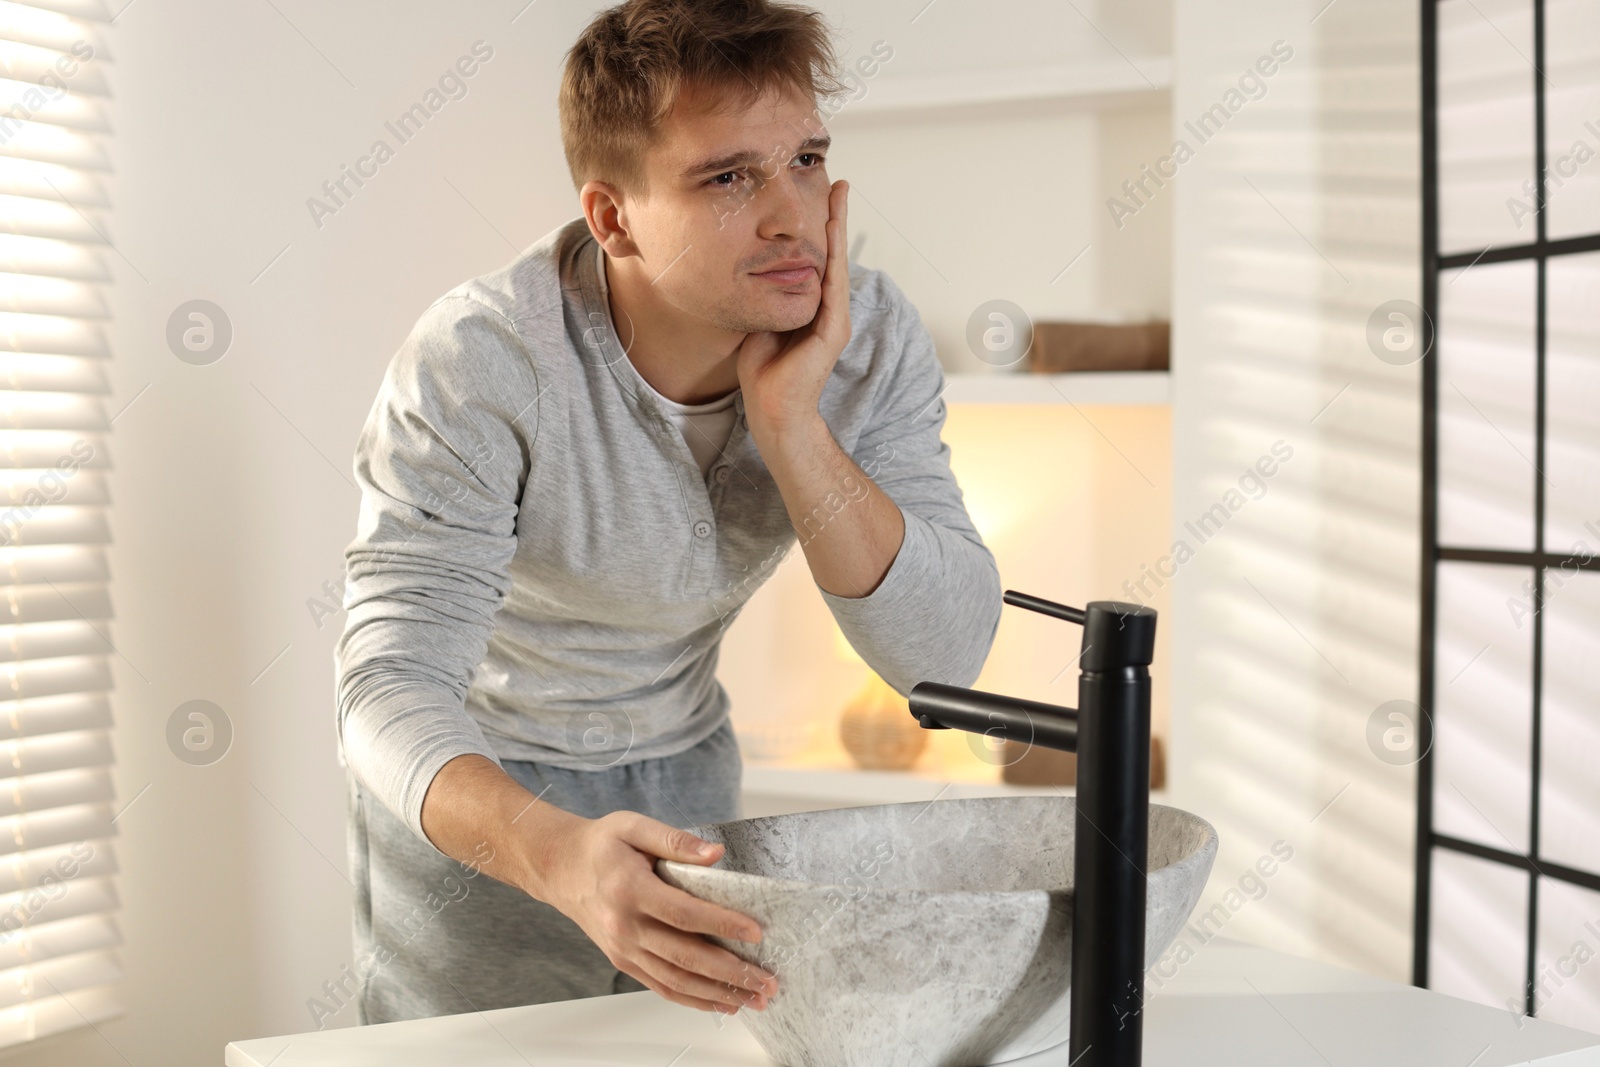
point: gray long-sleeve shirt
(540, 570)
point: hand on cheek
(782, 374)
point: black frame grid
(1434, 260)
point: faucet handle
(1115, 634)
(1044, 607)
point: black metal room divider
(1508, 787)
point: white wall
(1299, 619)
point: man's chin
(776, 320)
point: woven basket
(877, 728)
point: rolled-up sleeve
(934, 615)
(441, 463)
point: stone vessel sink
(928, 934)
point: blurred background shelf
(1085, 387)
(1090, 83)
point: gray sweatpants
(435, 937)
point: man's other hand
(602, 876)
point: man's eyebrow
(737, 160)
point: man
(577, 470)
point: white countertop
(1231, 1005)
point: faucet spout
(941, 707)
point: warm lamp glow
(843, 648)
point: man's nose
(783, 206)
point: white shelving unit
(1091, 83)
(1088, 387)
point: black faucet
(1110, 732)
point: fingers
(676, 916)
(684, 911)
(700, 968)
(669, 904)
(661, 943)
(661, 839)
(656, 985)
(683, 982)
(844, 222)
(760, 347)
(836, 277)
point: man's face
(731, 196)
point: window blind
(58, 929)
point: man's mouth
(791, 271)
(794, 276)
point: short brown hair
(630, 65)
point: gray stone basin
(929, 934)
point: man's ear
(607, 217)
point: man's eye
(817, 160)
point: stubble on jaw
(750, 317)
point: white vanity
(1231, 1005)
